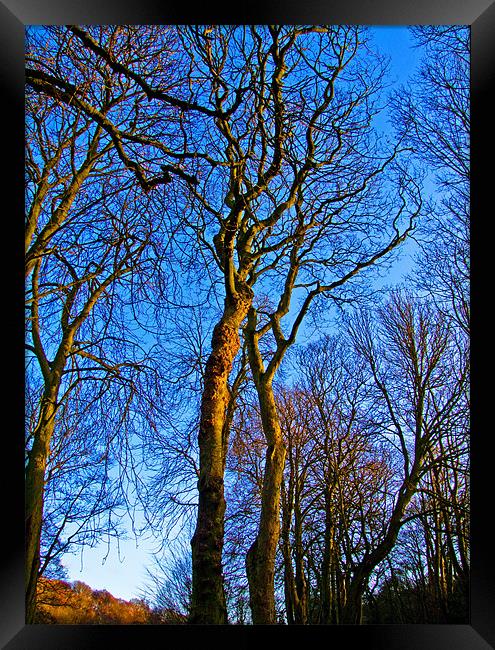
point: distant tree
(433, 116)
(434, 545)
(169, 587)
(77, 604)
(419, 384)
(337, 476)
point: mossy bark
(208, 597)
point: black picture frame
(14, 16)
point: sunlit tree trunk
(208, 596)
(34, 491)
(39, 452)
(36, 467)
(260, 559)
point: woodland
(218, 342)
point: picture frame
(14, 16)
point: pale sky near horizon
(126, 577)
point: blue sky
(397, 42)
(122, 570)
(119, 568)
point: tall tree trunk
(34, 496)
(300, 582)
(328, 612)
(260, 559)
(289, 581)
(353, 609)
(208, 597)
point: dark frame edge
(12, 83)
(482, 583)
(13, 632)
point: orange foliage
(75, 603)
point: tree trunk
(208, 597)
(353, 610)
(301, 613)
(328, 612)
(295, 586)
(289, 581)
(34, 496)
(260, 559)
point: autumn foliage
(75, 603)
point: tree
(171, 585)
(433, 115)
(337, 480)
(257, 140)
(300, 455)
(435, 541)
(435, 119)
(85, 235)
(135, 132)
(69, 290)
(77, 604)
(314, 243)
(420, 384)
(369, 433)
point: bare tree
(433, 115)
(337, 479)
(371, 439)
(420, 383)
(170, 585)
(84, 236)
(325, 212)
(69, 289)
(257, 140)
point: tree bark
(260, 559)
(208, 604)
(328, 610)
(34, 495)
